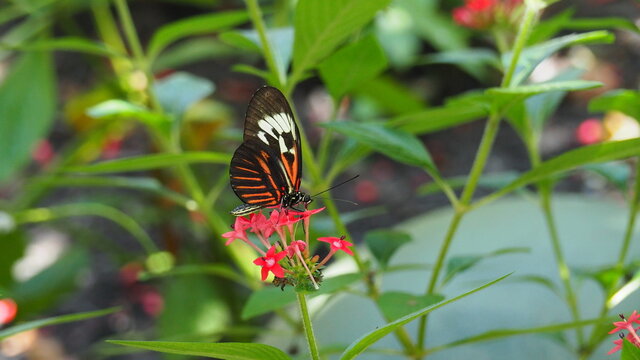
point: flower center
(270, 261)
(337, 244)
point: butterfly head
(294, 198)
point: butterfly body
(266, 169)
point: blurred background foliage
(79, 233)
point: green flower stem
(596, 337)
(308, 329)
(544, 191)
(258, 23)
(491, 129)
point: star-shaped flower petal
(626, 324)
(238, 232)
(269, 263)
(337, 244)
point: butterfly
(266, 169)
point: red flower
(480, 5)
(590, 131)
(626, 324)
(269, 263)
(482, 14)
(238, 232)
(296, 245)
(8, 311)
(43, 153)
(337, 244)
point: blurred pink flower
(8, 310)
(482, 14)
(589, 132)
(43, 153)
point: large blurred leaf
(384, 243)
(12, 246)
(391, 95)
(395, 304)
(116, 108)
(524, 91)
(281, 42)
(532, 56)
(148, 162)
(364, 342)
(197, 25)
(476, 61)
(320, 26)
(71, 44)
(225, 351)
(192, 51)
(350, 66)
(626, 101)
(27, 104)
(36, 324)
(180, 90)
(398, 145)
(629, 351)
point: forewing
(270, 126)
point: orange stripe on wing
(264, 194)
(267, 202)
(246, 178)
(251, 187)
(248, 170)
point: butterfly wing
(267, 165)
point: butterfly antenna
(343, 200)
(335, 186)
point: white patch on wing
(283, 146)
(262, 137)
(283, 120)
(266, 126)
(274, 123)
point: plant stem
(308, 329)
(544, 190)
(484, 149)
(256, 18)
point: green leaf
(459, 264)
(361, 344)
(540, 280)
(476, 61)
(384, 243)
(352, 65)
(625, 101)
(71, 44)
(225, 351)
(533, 55)
(434, 25)
(629, 351)
(137, 183)
(503, 333)
(36, 324)
(391, 95)
(395, 305)
(27, 109)
(617, 173)
(123, 109)
(627, 289)
(491, 181)
(252, 70)
(398, 145)
(197, 25)
(570, 160)
(281, 43)
(321, 26)
(12, 245)
(177, 92)
(601, 23)
(240, 40)
(193, 51)
(530, 90)
(148, 162)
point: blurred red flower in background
(482, 14)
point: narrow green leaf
(475, 61)
(440, 118)
(629, 351)
(503, 333)
(77, 44)
(350, 66)
(600, 23)
(533, 55)
(240, 40)
(197, 25)
(391, 95)
(395, 304)
(361, 344)
(36, 324)
(530, 90)
(148, 162)
(137, 183)
(120, 108)
(540, 280)
(398, 145)
(490, 181)
(177, 92)
(570, 160)
(459, 264)
(225, 351)
(192, 51)
(251, 70)
(384, 243)
(320, 26)
(27, 105)
(626, 101)
(281, 43)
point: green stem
(545, 190)
(130, 30)
(308, 329)
(484, 149)
(258, 23)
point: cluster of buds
(484, 14)
(626, 324)
(287, 258)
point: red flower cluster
(626, 324)
(288, 261)
(482, 14)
